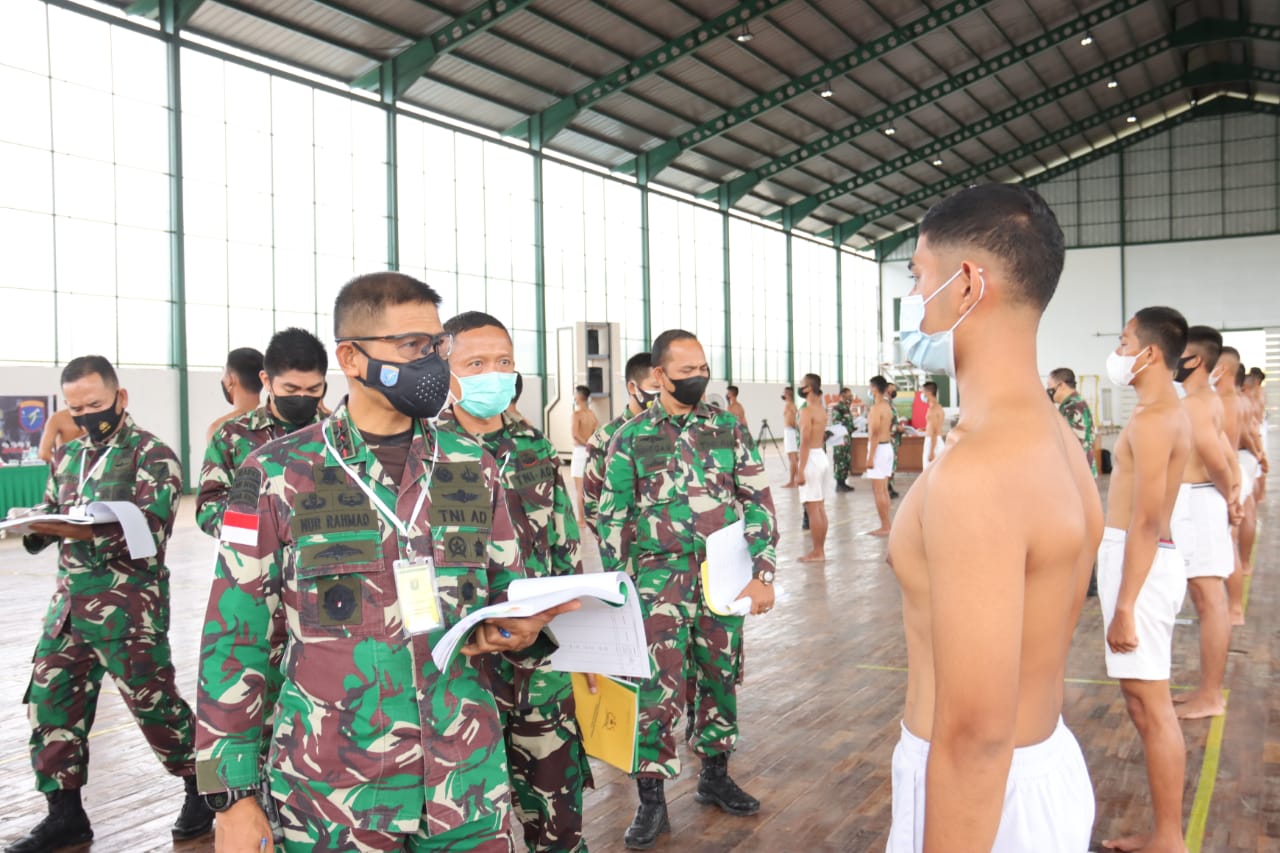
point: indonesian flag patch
(240, 528)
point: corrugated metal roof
(539, 54)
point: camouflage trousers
(686, 640)
(62, 700)
(305, 832)
(547, 761)
(842, 459)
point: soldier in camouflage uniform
(374, 748)
(109, 613)
(293, 373)
(842, 456)
(895, 433)
(548, 764)
(642, 390)
(1062, 391)
(675, 474)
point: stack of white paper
(137, 535)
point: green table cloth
(22, 485)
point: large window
(860, 306)
(813, 301)
(84, 198)
(758, 308)
(686, 273)
(466, 226)
(284, 200)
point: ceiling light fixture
(1086, 41)
(1132, 119)
(889, 131)
(1111, 84)
(937, 161)
(744, 35)
(826, 92)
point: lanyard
(401, 526)
(85, 475)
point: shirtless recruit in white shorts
(985, 761)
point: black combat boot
(651, 816)
(717, 789)
(196, 818)
(66, 825)
(804, 522)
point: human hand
(242, 829)
(761, 595)
(1122, 636)
(512, 635)
(63, 530)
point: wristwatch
(765, 577)
(223, 800)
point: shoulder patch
(245, 488)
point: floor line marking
(1199, 817)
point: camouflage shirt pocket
(343, 585)
(460, 546)
(658, 480)
(460, 590)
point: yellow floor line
(93, 734)
(1208, 780)
(1102, 681)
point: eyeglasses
(413, 345)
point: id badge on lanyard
(416, 590)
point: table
(910, 454)
(22, 485)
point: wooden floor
(820, 711)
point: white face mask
(1120, 368)
(932, 353)
(1181, 390)
(1214, 378)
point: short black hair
(879, 383)
(638, 367)
(1065, 375)
(469, 321)
(1241, 376)
(86, 365)
(732, 389)
(583, 390)
(662, 344)
(294, 349)
(846, 390)
(1164, 328)
(515, 398)
(1258, 373)
(1011, 222)
(931, 387)
(1227, 350)
(245, 364)
(814, 381)
(1209, 341)
(789, 390)
(365, 297)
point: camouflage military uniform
(842, 456)
(670, 482)
(544, 746)
(1077, 413)
(374, 748)
(593, 480)
(229, 447)
(109, 613)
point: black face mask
(1049, 391)
(101, 425)
(1183, 371)
(227, 394)
(417, 388)
(296, 409)
(892, 394)
(644, 399)
(689, 391)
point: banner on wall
(24, 417)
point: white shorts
(819, 480)
(1158, 604)
(1048, 798)
(1249, 470)
(578, 468)
(882, 463)
(791, 439)
(1202, 531)
(924, 454)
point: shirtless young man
(815, 477)
(985, 762)
(790, 434)
(1234, 416)
(879, 451)
(734, 407)
(58, 430)
(1202, 518)
(585, 423)
(1141, 577)
(933, 419)
(241, 385)
(1258, 434)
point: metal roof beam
(541, 126)
(1214, 73)
(1217, 107)
(182, 10)
(734, 190)
(655, 160)
(394, 76)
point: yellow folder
(608, 719)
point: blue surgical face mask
(932, 353)
(487, 395)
